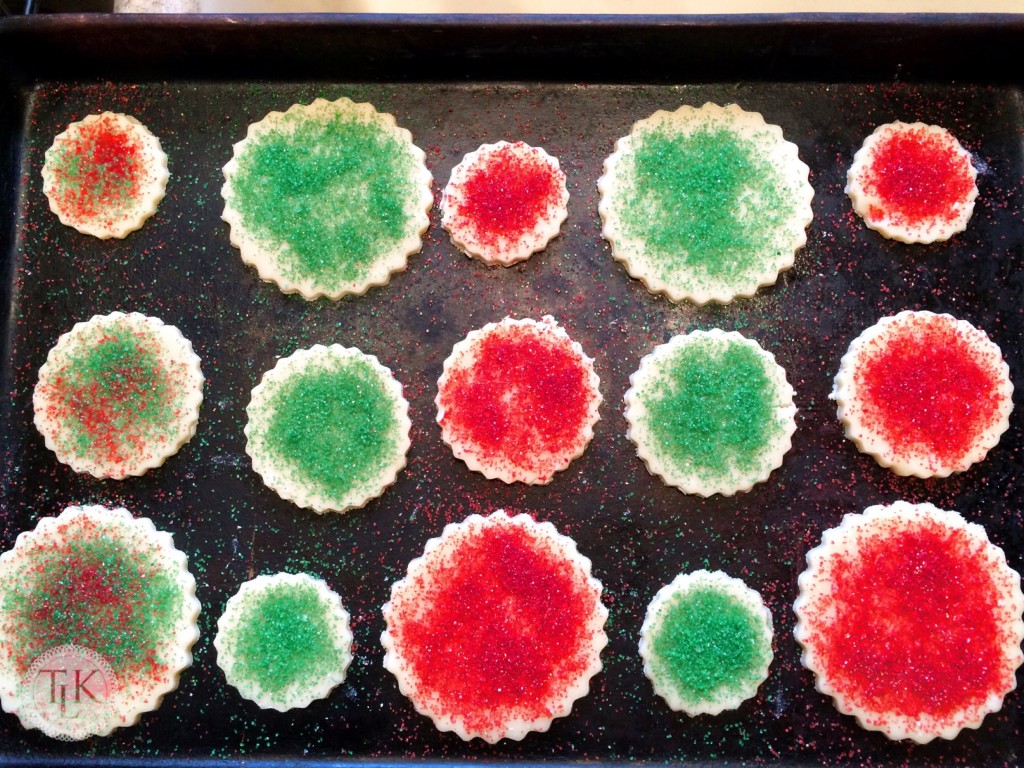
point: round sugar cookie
(710, 412)
(497, 629)
(910, 619)
(924, 394)
(105, 175)
(913, 182)
(705, 204)
(327, 199)
(518, 400)
(706, 642)
(284, 641)
(504, 202)
(97, 621)
(328, 428)
(118, 395)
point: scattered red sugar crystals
(497, 629)
(518, 400)
(911, 620)
(925, 394)
(913, 182)
(504, 202)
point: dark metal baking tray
(573, 85)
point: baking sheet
(638, 533)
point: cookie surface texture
(497, 629)
(705, 204)
(327, 199)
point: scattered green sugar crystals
(328, 428)
(711, 412)
(284, 641)
(706, 642)
(712, 409)
(705, 204)
(327, 198)
(333, 425)
(708, 203)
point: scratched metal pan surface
(574, 89)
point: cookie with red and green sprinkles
(911, 620)
(505, 202)
(706, 642)
(913, 182)
(327, 199)
(497, 629)
(924, 394)
(118, 395)
(284, 641)
(97, 621)
(518, 400)
(105, 175)
(710, 412)
(705, 204)
(328, 428)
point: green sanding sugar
(708, 203)
(708, 645)
(334, 425)
(96, 591)
(282, 638)
(331, 192)
(711, 409)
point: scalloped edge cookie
(686, 481)
(151, 185)
(180, 363)
(857, 423)
(508, 247)
(687, 284)
(720, 699)
(275, 470)
(124, 701)
(245, 605)
(262, 254)
(878, 212)
(407, 602)
(815, 605)
(533, 467)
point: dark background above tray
(573, 86)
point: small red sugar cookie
(504, 202)
(913, 182)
